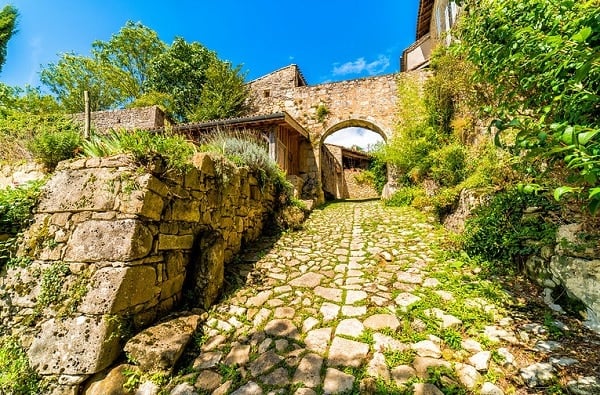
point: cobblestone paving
(359, 301)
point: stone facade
(113, 245)
(15, 175)
(366, 102)
(147, 118)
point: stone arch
(351, 123)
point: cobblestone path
(362, 301)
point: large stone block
(80, 190)
(142, 202)
(581, 279)
(116, 290)
(173, 242)
(122, 240)
(158, 348)
(76, 346)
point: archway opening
(349, 170)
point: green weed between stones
(16, 376)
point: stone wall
(334, 183)
(366, 102)
(132, 118)
(572, 266)
(15, 175)
(113, 246)
(359, 190)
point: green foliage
(224, 94)
(541, 57)
(16, 205)
(448, 164)
(8, 23)
(144, 145)
(248, 148)
(404, 196)
(501, 232)
(181, 72)
(52, 147)
(378, 169)
(321, 113)
(16, 376)
(115, 73)
(51, 285)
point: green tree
(115, 74)
(8, 23)
(224, 94)
(181, 72)
(73, 74)
(543, 59)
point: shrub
(404, 196)
(247, 148)
(143, 145)
(16, 205)
(55, 146)
(16, 376)
(448, 164)
(379, 170)
(500, 231)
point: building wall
(129, 119)
(115, 244)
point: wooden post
(87, 120)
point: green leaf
(594, 192)
(582, 35)
(585, 137)
(560, 191)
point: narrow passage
(364, 300)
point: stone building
(434, 21)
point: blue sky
(330, 40)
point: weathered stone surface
(344, 352)
(584, 386)
(80, 345)
(421, 364)
(238, 355)
(337, 382)
(490, 389)
(467, 375)
(121, 240)
(377, 367)
(425, 389)
(402, 374)
(481, 360)
(277, 378)
(309, 371)
(282, 328)
(183, 389)
(307, 280)
(427, 348)
(158, 348)
(79, 190)
(207, 360)
(350, 327)
(114, 290)
(580, 279)
(263, 363)
(331, 294)
(251, 388)
(383, 342)
(471, 345)
(318, 339)
(405, 299)
(174, 242)
(107, 383)
(208, 380)
(537, 374)
(381, 321)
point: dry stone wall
(146, 118)
(114, 245)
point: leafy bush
(143, 145)
(16, 376)
(379, 170)
(500, 231)
(55, 146)
(541, 59)
(404, 196)
(448, 164)
(247, 148)
(16, 205)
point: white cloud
(354, 136)
(360, 65)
